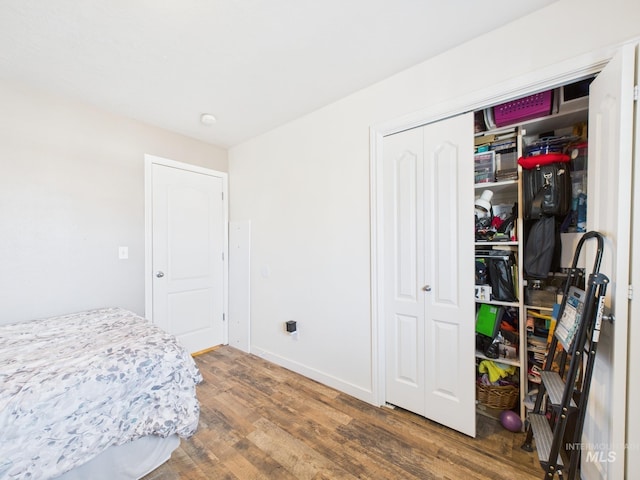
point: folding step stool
(564, 392)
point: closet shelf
(507, 361)
(497, 302)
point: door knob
(426, 288)
(160, 274)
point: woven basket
(501, 397)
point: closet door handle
(426, 288)
(160, 274)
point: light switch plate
(123, 253)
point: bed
(96, 394)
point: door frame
(149, 161)
(521, 86)
(554, 75)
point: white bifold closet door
(429, 307)
(611, 107)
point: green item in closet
(487, 319)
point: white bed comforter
(71, 386)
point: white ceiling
(253, 64)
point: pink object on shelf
(526, 108)
(544, 159)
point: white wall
(71, 193)
(305, 186)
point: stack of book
(504, 144)
(537, 348)
(506, 174)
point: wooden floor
(261, 421)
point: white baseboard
(329, 380)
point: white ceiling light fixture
(207, 119)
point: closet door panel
(442, 228)
(403, 272)
(449, 264)
(429, 272)
(406, 229)
(609, 212)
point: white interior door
(428, 271)
(609, 212)
(187, 254)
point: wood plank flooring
(261, 421)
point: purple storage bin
(526, 108)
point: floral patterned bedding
(71, 386)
